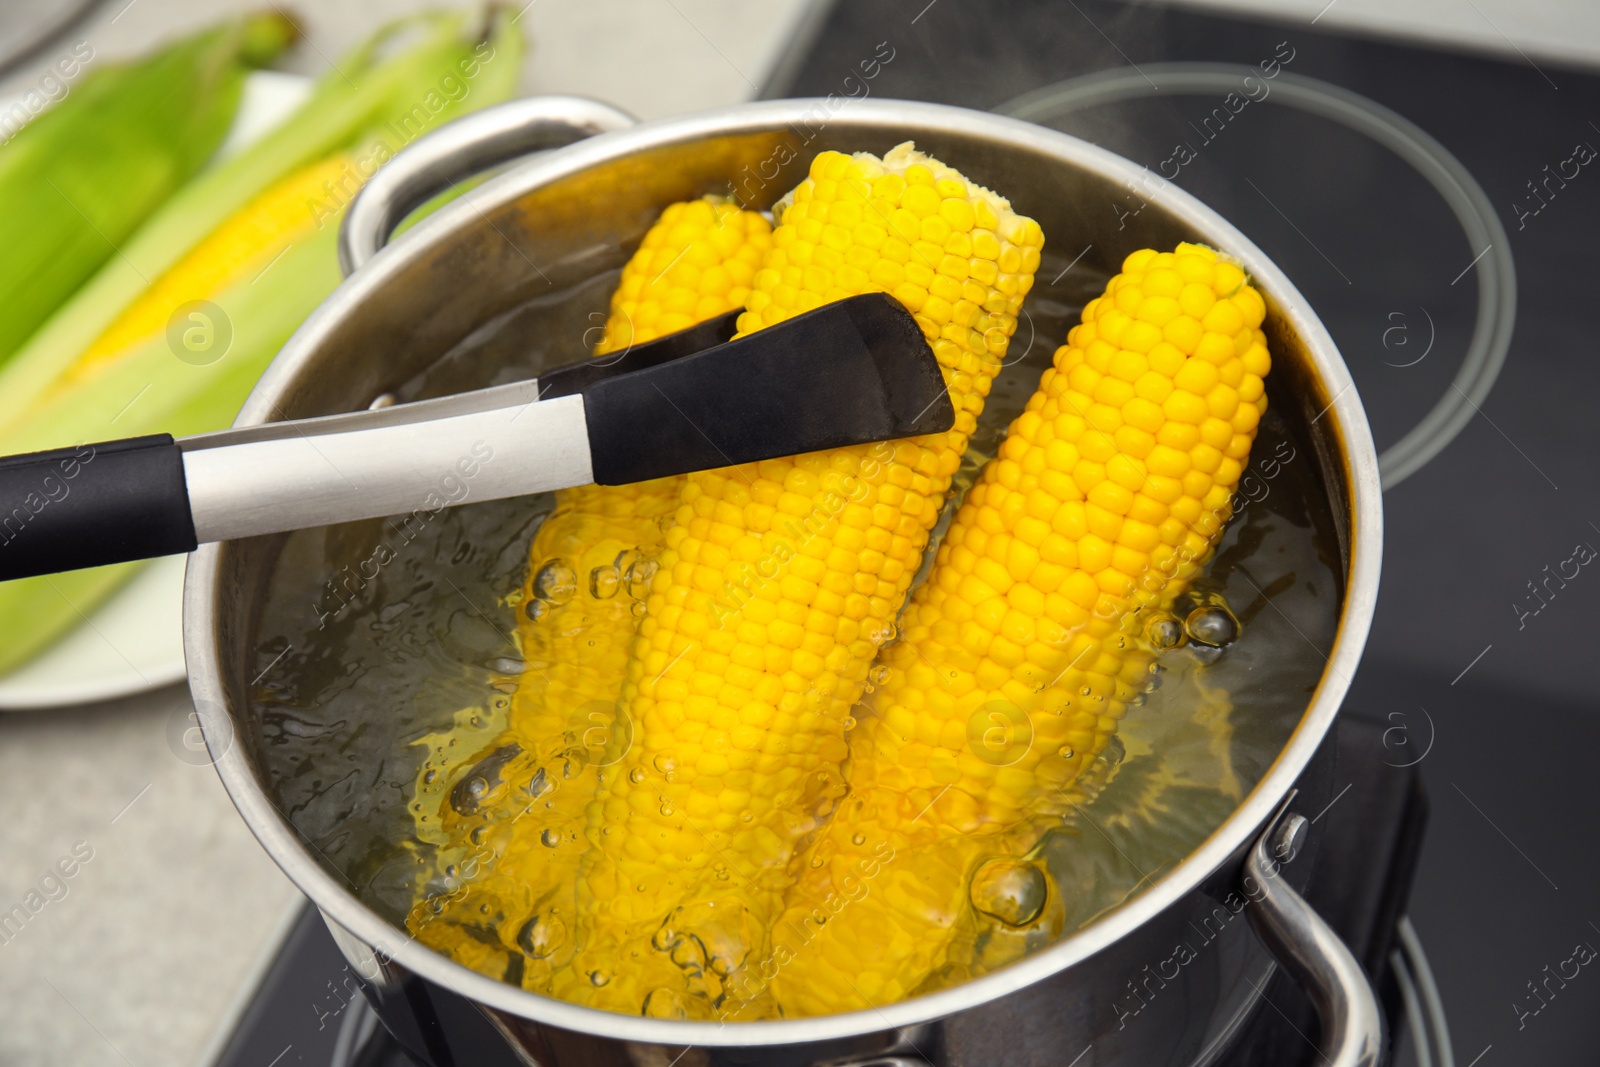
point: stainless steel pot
(562, 216)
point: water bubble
(664, 937)
(604, 582)
(541, 935)
(859, 839)
(667, 809)
(428, 778)
(599, 978)
(849, 722)
(536, 609)
(664, 1004)
(880, 674)
(746, 817)
(1085, 691)
(638, 577)
(1013, 892)
(1066, 752)
(667, 766)
(550, 838)
(1213, 625)
(555, 582)
(539, 784)
(721, 871)
(636, 776)
(484, 781)
(689, 954)
(477, 835)
(638, 609)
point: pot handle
(459, 150)
(1308, 948)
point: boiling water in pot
(388, 659)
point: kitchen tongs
(849, 372)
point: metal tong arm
(152, 496)
(408, 458)
(141, 497)
(849, 372)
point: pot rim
(1357, 454)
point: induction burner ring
(1497, 279)
(1424, 1009)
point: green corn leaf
(81, 177)
(150, 390)
(362, 89)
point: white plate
(134, 641)
(130, 643)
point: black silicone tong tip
(915, 394)
(850, 372)
(575, 377)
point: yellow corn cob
(776, 586)
(1022, 648)
(589, 564)
(697, 262)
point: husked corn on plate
(803, 795)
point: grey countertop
(144, 953)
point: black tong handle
(91, 505)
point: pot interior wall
(328, 705)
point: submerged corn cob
(589, 566)
(1021, 650)
(697, 262)
(777, 584)
(78, 179)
